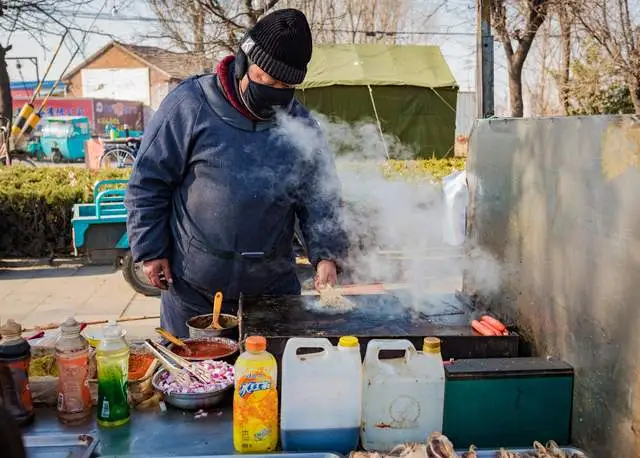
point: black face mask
(262, 100)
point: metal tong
(179, 375)
(184, 366)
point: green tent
(410, 87)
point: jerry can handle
(292, 347)
(375, 346)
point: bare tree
(566, 19)
(37, 18)
(615, 26)
(554, 50)
(216, 26)
(516, 23)
(235, 17)
(188, 27)
(596, 87)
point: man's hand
(158, 273)
(326, 274)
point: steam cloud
(395, 226)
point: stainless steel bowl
(195, 401)
(232, 344)
(198, 326)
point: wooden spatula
(217, 307)
(174, 340)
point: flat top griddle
(376, 315)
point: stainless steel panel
(556, 200)
(465, 112)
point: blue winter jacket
(218, 193)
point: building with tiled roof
(132, 72)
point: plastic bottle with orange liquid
(255, 400)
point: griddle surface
(375, 316)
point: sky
(453, 29)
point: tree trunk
(565, 39)
(515, 90)
(6, 103)
(635, 95)
(198, 17)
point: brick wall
(114, 58)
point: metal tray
(266, 455)
(493, 453)
(60, 445)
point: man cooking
(216, 186)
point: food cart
(158, 429)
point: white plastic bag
(456, 198)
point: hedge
(36, 203)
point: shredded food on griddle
(331, 298)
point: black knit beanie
(280, 44)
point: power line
(137, 18)
(373, 33)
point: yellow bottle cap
(348, 341)
(431, 345)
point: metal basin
(530, 452)
(195, 401)
(232, 344)
(198, 326)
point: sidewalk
(42, 295)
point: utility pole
(484, 67)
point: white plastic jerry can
(403, 398)
(321, 400)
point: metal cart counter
(156, 434)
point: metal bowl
(194, 401)
(234, 347)
(198, 326)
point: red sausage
(493, 323)
(482, 328)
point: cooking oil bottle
(112, 356)
(403, 398)
(72, 358)
(255, 400)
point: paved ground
(38, 296)
(42, 295)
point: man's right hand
(158, 273)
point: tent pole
(375, 111)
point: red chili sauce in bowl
(207, 348)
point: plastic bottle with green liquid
(112, 356)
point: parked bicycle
(120, 153)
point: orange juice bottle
(255, 400)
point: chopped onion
(221, 372)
